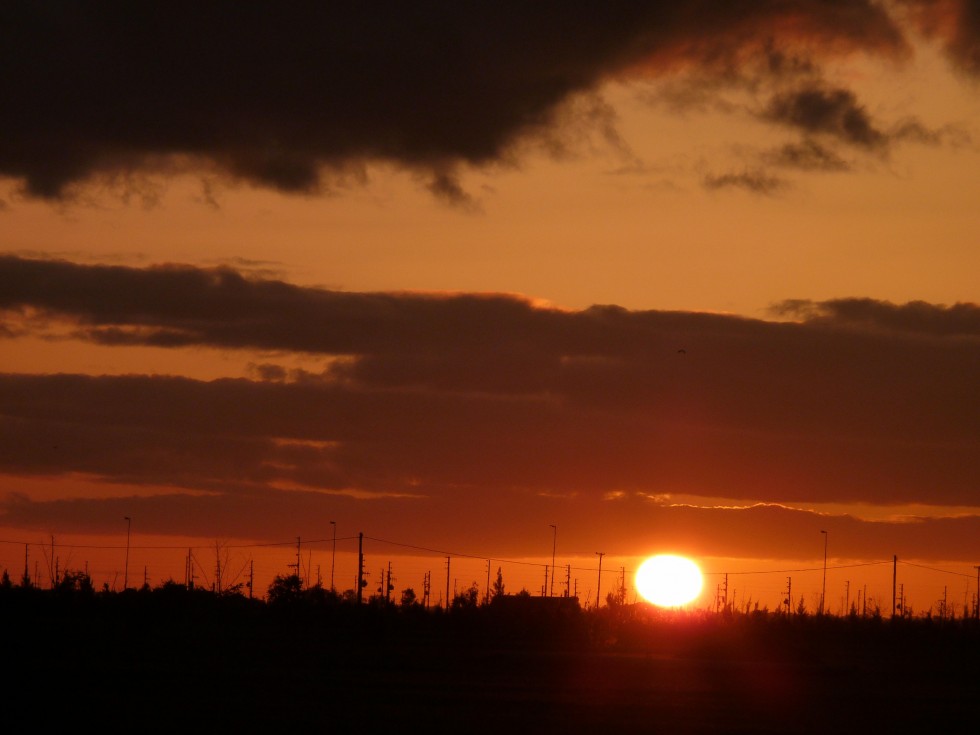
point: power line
(444, 552)
(806, 569)
(936, 569)
(115, 547)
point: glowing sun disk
(668, 580)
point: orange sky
(366, 295)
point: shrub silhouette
(285, 589)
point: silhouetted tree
(234, 589)
(75, 582)
(801, 607)
(467, 598)
(498, 585)
(408, 598)
(5, 582)
(285, 588)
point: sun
(668, 580)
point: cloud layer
(276, 95)
(448, 402)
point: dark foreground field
(149, 663)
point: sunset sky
(698, 277)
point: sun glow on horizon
(668, 580)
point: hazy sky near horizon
(689, 275)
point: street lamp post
(554, 545)
(129, 525)
(333, 554)
(823, 591)
(598, 584)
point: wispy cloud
(757, 181)
(807, 155)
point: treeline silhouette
(159, 658)
(517, 618)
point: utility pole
(129, 524)
(976, 608)
(426, 583)
(789, 595)
(901, 599)
(823, 590)
(448, 560)
(333, 554)
(554, 545)
(360, 565)
(622, 585)
(598, 584)
(488, 581)
(894, 581)
(217, 567)
(299, 568)
(26, 581)
(251, 578)
(568, 580)
(388, 585)
(847, 597)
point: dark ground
(145, 664)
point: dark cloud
(471, 396)
(174, 305)
(267, 371)
(625, 526)
(752, 69)
(758, 182)
(964, 44)
(917, 317)
(956, 23)
(446, 186)
(834, 112)
(276, 95)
